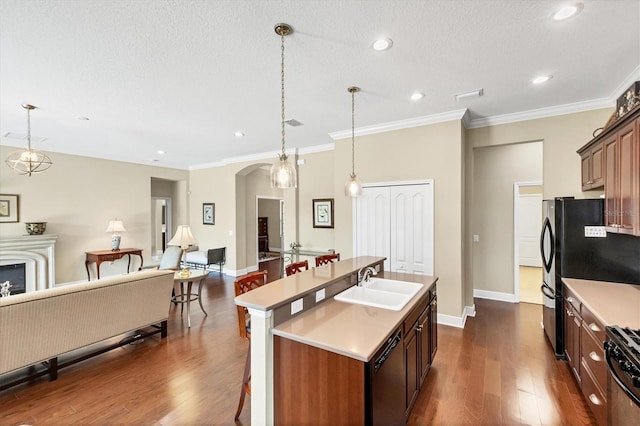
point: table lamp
(183, 238)
(115, 227)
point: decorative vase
(35, 228)
(115, 242)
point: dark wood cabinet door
(611, 181)
(411, 363)
(626, 163)
(572, 323)
(597, 166)
(433, 334)
(424, 330)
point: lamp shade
(115, 226)
(283, 174)
(183, 237)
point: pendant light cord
(353, 126)
(29, 129)
(282, 91)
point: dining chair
(243, 285)
(297, 267)
(327, 258)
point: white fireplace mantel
(37, 252)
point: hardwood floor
(498, 370)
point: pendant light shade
(28, 161)
(353, 187)
(283, 173)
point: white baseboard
(459, 322)
(495, 295)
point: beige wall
(496, 169)
(77, 197)
(427, 152)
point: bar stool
(327, 258)
(297, 267)
(243, 285)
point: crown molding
(317, 148)
(540, 113)
(400, 124)
(269, 156)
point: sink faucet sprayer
(365, 273)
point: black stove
(623, 359)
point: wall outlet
(476, 238)
(320, 295)
(595, 232)
(296, 306)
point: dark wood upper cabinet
(613, 158)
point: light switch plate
(296, 306)
(476, 238)
(595, 232)
(320, 295)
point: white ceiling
(183, 76)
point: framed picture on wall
(323, 212)
(208, 214)
(9, 208)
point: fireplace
(15, 274)
(35, 254)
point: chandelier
(283, 173)
(28, 161)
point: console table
(109, 256)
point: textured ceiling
(183, 76)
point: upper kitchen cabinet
(593, 167)
(617, 152)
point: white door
(396, 222)
(372, 224)
(529, 225)
(412, 229)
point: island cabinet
(612, 159)
(572, 325)
(315, 383)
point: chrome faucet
(364, 274)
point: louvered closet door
(412, 229)
(372, 224)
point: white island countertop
(612, 303)
(348, 329)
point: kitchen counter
(356, 331)
(612, 303)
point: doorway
(527, 220)
(160, 224)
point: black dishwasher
(385, 384)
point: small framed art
(323, 213)
(9, 208)
(208, 214)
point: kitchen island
(344, 333)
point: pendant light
(28, 161)
(353, 188)
(283, 173)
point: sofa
(41, 326)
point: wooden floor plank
(499, 369)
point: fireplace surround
(37, 253)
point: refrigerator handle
(546, 227)
(546, 290)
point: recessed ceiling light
(161, 152)
(239, 134)
(417, 96)
(81, 118)
(567, 12)
(541, 79)
(382, 44)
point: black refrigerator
(567, 252)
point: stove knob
(636, 381)
(625, 365)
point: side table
(196, 276)
(109, 256)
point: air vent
(293, 123)
(23, 137)
(470, 94)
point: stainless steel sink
(381, 293)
